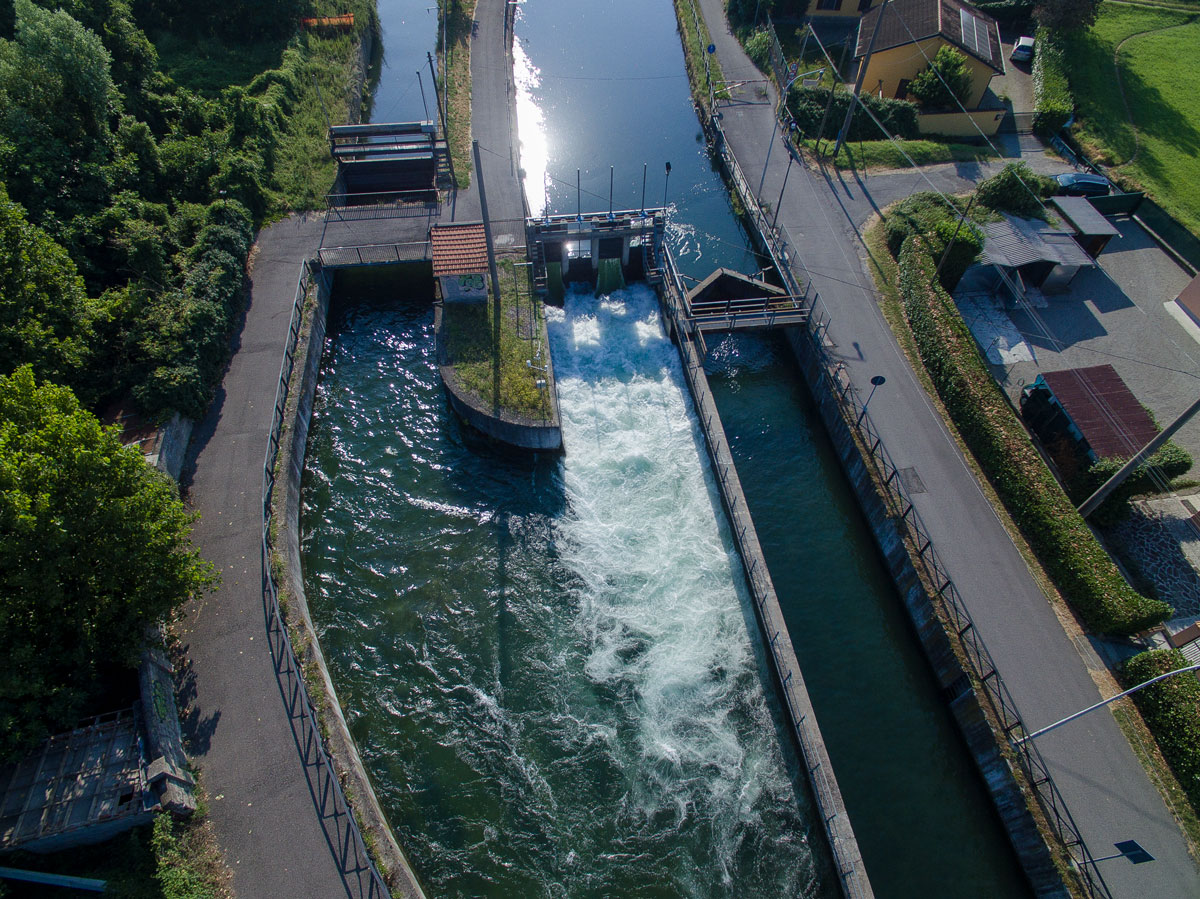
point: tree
(45, 315)
(952, 88)
(1066, 15)
(93, 548)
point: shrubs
(1171, 709)
(1017, 189)
(807, 105)
(1065, 545)
(758, 48)
(944, 83)
(1052, 101)
(926, 214)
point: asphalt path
(238, 729)
(1104, 785)
(261, 798)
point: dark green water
(923, 820)
(546, 663)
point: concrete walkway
(238, 728)
(1105, 787)
(260, 798)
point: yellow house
(839, 9)
(910, 34)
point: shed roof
(1109, 416)
(1084, 217)
(1014, 242)
(908, 21)
(458, 249)
(1189, 299)
(726, 284)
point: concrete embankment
(797, 706)
(340, 744)
(934, 635)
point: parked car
(1082, 184)
(1022, 50)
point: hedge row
(1171, 710)
(1052, 101)
(1068, 550)
(807, 105)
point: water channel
(549, 664)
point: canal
(549, 663)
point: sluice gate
(605, 249)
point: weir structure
(603, 248)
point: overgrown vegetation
(1064, 544)
(93, 548)
(1017, 189)
(1052, 101)
(141, 194)
(813, 106)
(693, 32)
(886, 154)
(468, 335)
(455, 22)
(168, 859)
(1171, 709)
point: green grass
(208, 65)
(694, 52)
(163, 860)
(883, 154)
(459, 24)
(467, 331)
(1157, 72)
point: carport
(1034, 253)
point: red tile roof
(1109, 416)
(458, 249)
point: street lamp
(1091, 708)
(877, 381)
(666, 181)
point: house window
(864, 5)
(829, 4)
(902, 88)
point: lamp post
(791, 159)
(877, 381)
(666, 181)
(1091, 708)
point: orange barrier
(343, 21)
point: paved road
(259, 797)
(1105, 787)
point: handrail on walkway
(944, 592)
(359, 872)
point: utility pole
(491, 254)
(862, 71)
(1093, 502)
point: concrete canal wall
(777, 644)
(952, 676)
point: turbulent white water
(659, 603)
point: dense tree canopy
(952, 87)
(93, 547)
(46, 317)
(1066, 15)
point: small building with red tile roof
(460, 261)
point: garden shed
(460, 261)
(1039, 253)
(1090, 228)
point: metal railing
(944, 594)
(823, 781)
(375, 254)
(943, 591)
(359, 872)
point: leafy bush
(807, 105)
(944, 83)
(1068, 550)
(1171, 709)
(1170, 461)
(1017, 189)
(926, 214)
(758, 48)
(1053, 104)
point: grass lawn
(883, 154)
(456, 74)
(467, 329)
(1157, 72)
